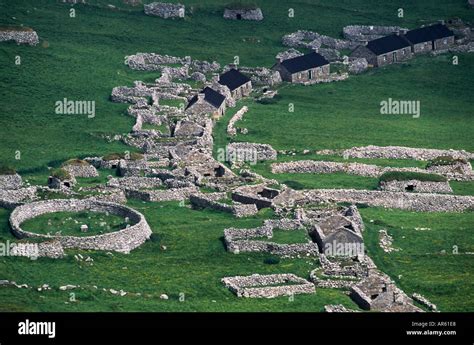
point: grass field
(82, 58)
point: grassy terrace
(82, 59)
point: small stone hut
(208, 101)
(238, 83)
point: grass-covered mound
(75, 161)
(407, 175)
(445, 160)
(61, 174)
(134, 156)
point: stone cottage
(238, 84)
(337, 235)
(429, 38)
(208, 101)
(304, 68)
(385, 50)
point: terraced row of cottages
(403, 45)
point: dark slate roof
(428, 33)
(233, 79)
(210, 96)
(387, 44)
(304, 62)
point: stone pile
(28, 37)
(385, 242)
(358, 65)
(262, 76)
(268, 286)
(313, 40)
(424, 301)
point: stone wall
(49, 249)
(13, 181)
(268, 286)
(231, 130)
(81, 170)
(203, 200)
(423, 202)
(20, 37)
(416, 186)
(400, 152)
(250, 152)
(365, 33)
(11, 198)
(243, 14)
(173, 194)
(122, 241)
(165, 10)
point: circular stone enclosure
(122, 241)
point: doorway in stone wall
(239, 16)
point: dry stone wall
(12, 181)
(20, 37)
(424, 202)
(416, 186)
(165, 10)
(268, 286)
(122, 241)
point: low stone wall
(13, 181)
(173, 194)
(416, 186)
(250, 152)
(81, 170)
(361, 169)
(122, 241)
(300, 39)
(11, 198)
(243, 14)
(260, 286)
(401, 152)
(262, 76)
(365, 33)
(20, 37)
(207, 201)
(423, 202)
(165, 10)
(248, 240)
(135, 182)
(237, 117)
(48, 249)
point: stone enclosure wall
(20, 37)
(165, 10)
(122, 241)
(243, 14)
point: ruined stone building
(301, 69)
(238, 84)
(207, 101)
(385, 50)
(429, 38)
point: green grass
(82, 59)
(408, 175)
(69, 223)
(445, 279)
(289, 236)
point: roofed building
(384, 51)
(208, 101)
(239, 84)
(304, 68)
(428, 38)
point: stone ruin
(250, 152)
(268, 286)
(314, 41)
(416, 186)
(231, 130)
(250, 240)
(23, 36)
(165, 10)
(79, 168)
(262, 76)
(212, 201)
(365, 33)
(378, 292)
(11, 181)
(243, 14)
(122, 241)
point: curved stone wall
(122, 241)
